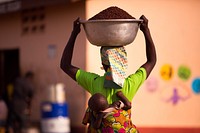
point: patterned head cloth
(116, 58)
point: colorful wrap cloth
(117, 121)
(116, 58)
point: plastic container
(54, 111)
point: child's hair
(98, 102)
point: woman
(94, 83)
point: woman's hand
(144, 24)
(76, 26)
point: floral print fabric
(117, 121)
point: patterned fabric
(116, 58)
(117, 121)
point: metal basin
(111, 32)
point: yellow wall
(174, 25)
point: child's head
(98, 102)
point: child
(99, 108)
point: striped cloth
(116, 58)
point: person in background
(8, 95)
(94, 83)
(3, 114)
(21, 102)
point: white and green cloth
(116, 58)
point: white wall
(174, 25)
